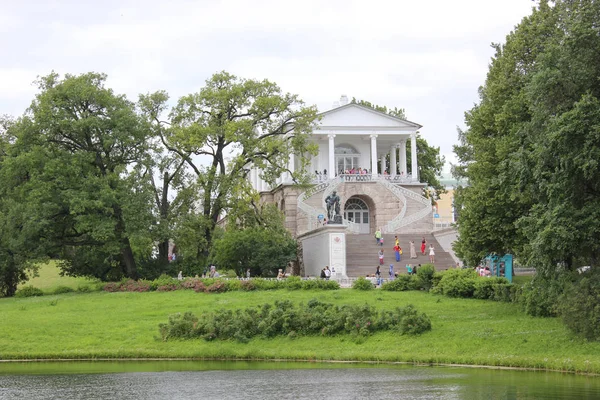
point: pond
(280, 380)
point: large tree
(78, 146)
(230, 125)
(531, 149)
(430, 160)
(20, 241)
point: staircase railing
(399, 221)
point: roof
(371, 110)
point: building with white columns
(363, 156)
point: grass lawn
(49, 278)
(113, 325)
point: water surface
(249, 380)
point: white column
(253, 177)
(291, 167)
(413, 157)
(331, 170)
(393, 163)
(382, 163)
(374, 155)
(403, 158)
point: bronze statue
(333, 206)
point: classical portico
(353, 137)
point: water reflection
(289, 381)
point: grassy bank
(48, 279)
(115, 325)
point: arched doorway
(357, 211)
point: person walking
(431, 254)
(397, 251)
(378, 275)
(423, 245)
(396, 241)
(391, 271)
(327, 273)
(378, 235)
(413, 252)
(380, 254)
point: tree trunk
(127, 258)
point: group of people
(483, 271)
(326, 273)
(398, 250)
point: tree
(430, 160)
(78, 145)
(257, 240)
(16, 230)
(531, 149)
(230, 125)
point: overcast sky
(428, 57)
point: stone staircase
(362, 250)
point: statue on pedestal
(333, 208)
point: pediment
(355, 116)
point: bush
(436, 278)
(165, 282)
(218, 286)
(401, 283)
(293, 283)
(233, 285)
(579, 306)
(540, 297)
(29, 291)
(484, 287)
(63, 289)
(247, 285)
(362, 284)
(457, 283)
(283, 318)
(268, 284)
(425, 277)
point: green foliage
(283, 318)
(484, 288)
(29, 291)
(362, 284)
(401, 283)
(165, 283)
(262, 249)
(540, 297)
(579, 306)
(63, 289)
(425, 276)
(457, 283)
(530, 153)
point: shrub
(579, 306)
(401, 283)
(362, 284)
(233, 285)
(457, 283)
(436, 278)
(63, 289)
(506, 292)
(135, 286)
(84, 289)
(540, 297)
(164, 281)
(218, 286)
(29, 291)
(413, 322)
(293, 283)
(112, 287)
(425, 277)
(268, 284)
(484, 287)
(247, 285)
(169, 287)
(283, 318)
